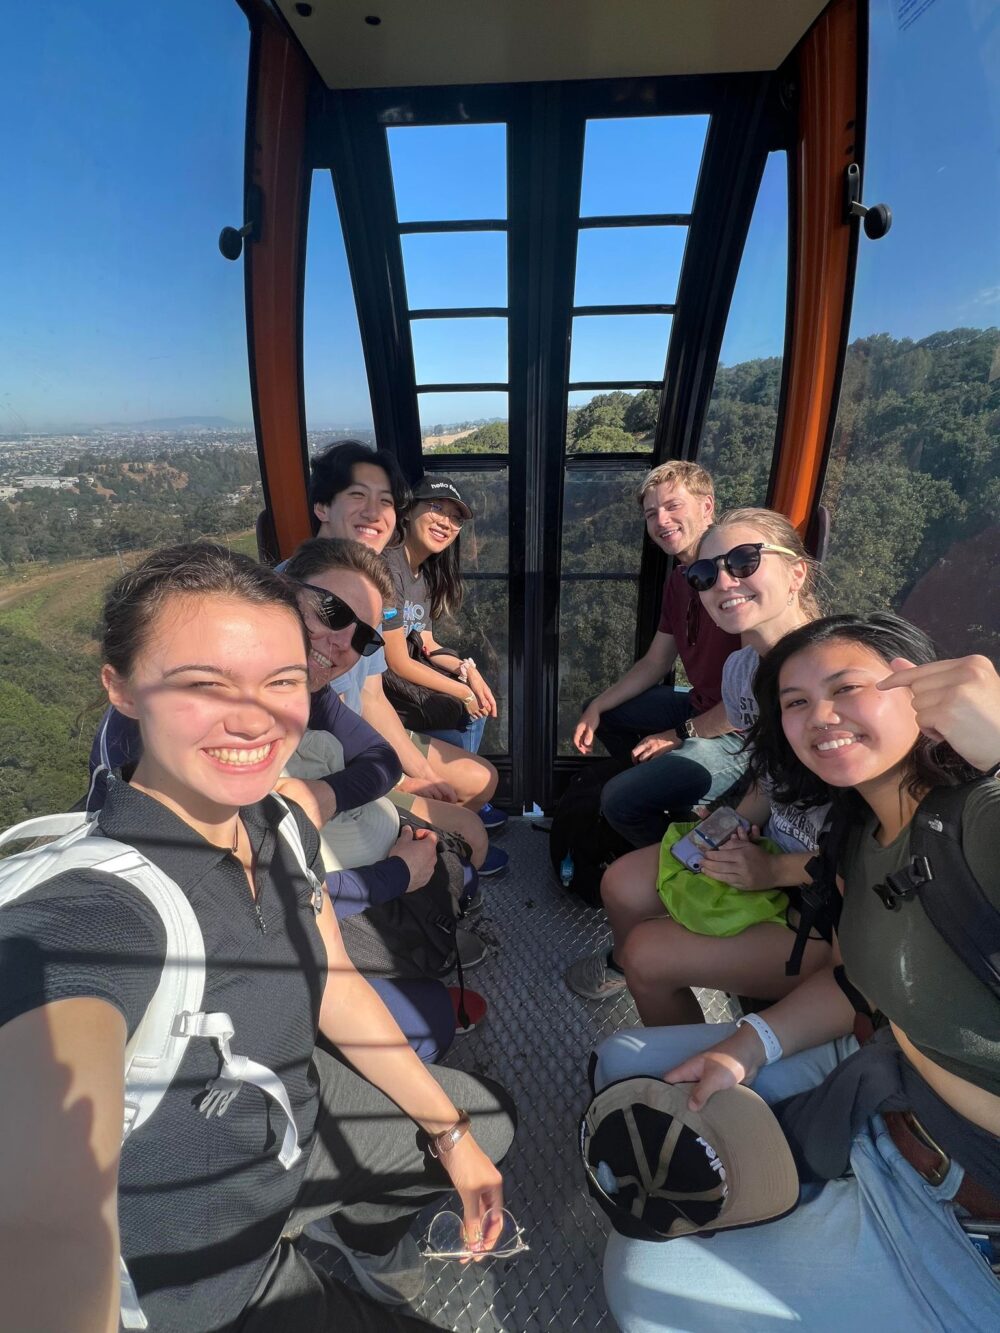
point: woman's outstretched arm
(357, 1022)
(61, 1070)
(815, 1012)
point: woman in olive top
(859, 708)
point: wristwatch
(686, 732)
(439, 1145)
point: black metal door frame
(545, 139)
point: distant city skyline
(118, 308)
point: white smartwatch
(771, 1044)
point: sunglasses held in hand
(337, 615)
(739, 563)
(499, 1237)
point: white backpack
(174, 1015)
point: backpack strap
(939, 876)
(49, 826)
(819, 900)
(173, 1016)
(288, 829)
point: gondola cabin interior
(539, 246)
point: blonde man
(638, 715)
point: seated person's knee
(643, 957)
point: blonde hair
(778, 531)
(691, 476)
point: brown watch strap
(439, 1145)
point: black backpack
(582, 844)
(936, 873)
(413, 936)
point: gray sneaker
(471, 949)
(593, 978)
(396, 1278)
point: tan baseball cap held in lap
(659, 1170)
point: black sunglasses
(739, 563)
(337, 615)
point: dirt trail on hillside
(12, 593)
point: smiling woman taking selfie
(206, 651)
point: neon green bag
(706, 905)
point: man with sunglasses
(680, 741)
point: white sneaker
(396, 1278)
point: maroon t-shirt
(702, 646)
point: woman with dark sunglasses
(755, 579)
(426, 571)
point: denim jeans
(881, 1250)
(635, 802)
(469, 738)
(621, 729)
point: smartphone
(710, 834)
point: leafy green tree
(604, 440)
(640, 415)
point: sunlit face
(331, 653)
(764, 597)
(365, 512)
(435, 524)
(221, 697)
(838, 724)
(676, 519)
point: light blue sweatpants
(879, 1252)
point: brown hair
(778, 531)
(319, 554)
(137, 598)
(691, 476)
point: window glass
(463, 423)
(642, 164)
(481, 627)
(737, 445)
(619, 347)
(458, 268)
(125, 419)
(628, 265)
(613, 422)
(913, 484)
(459, 351)
(598, 596)
(334, 374)
(445, 172)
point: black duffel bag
(582, 844)
(412, 937)
(421, 708)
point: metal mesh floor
(536, 1042)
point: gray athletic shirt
(792, 829)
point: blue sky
(121, 137)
